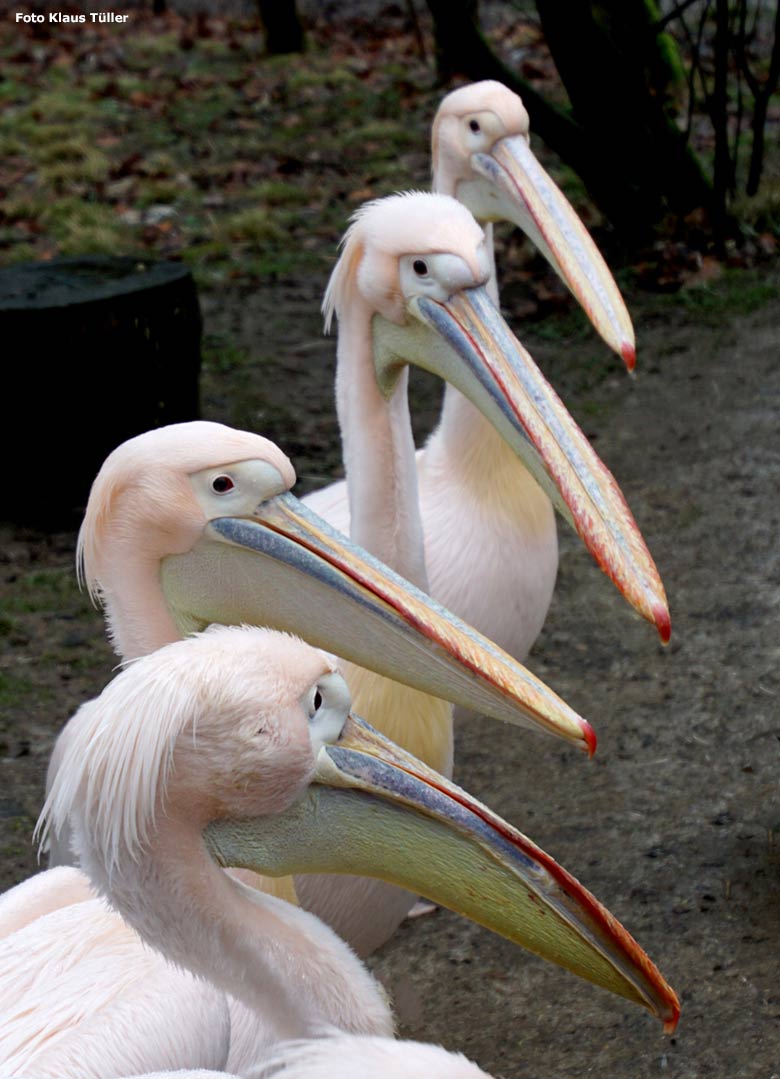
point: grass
(14, 688)
(262, 159)
(735, 292)
(255, 155)
(253, 226)
(63, 168)
(78, 226)
(220, 356)
(43, 590)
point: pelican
(193, 523)
(410, 287)
(238, 747)
(481, 155)
(490, 543)
(82, 996)
(350, 1057)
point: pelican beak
(529, 198)
(285, 567)
(375, 810)
(474, 349)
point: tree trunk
(611, 62)
(723, 171)
(619, 137)
(283, 30)
(465, 51)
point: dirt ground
(675, 824)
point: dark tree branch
(618, 81)
(762, 97)
(619, 136)
(418, 34)
(719, 114)
(660, 24)
(468, 53)
(283, 30)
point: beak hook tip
(628, 352)
(670, 1023)
(663, 622)
(590, 738)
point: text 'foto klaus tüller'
(58, 16)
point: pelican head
(413, 277)
(482, 156)
(194, 524)
(253, 744)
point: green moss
(22, 207)
(737, 292)
(10, 145)
(83, 227)
(20, 252)
(91, 241)
(156, 192)
(14, 688)
(42, 134)
(307, 77)
(132, 84)
(383, 135)
(152, 45)
(9, 90)
(42, 590)
(221, 356)
(159, 164)
(92, 167)
(60, 106)
(570, 326)
(277, 193)
(253, 225)
(68, 149)
(213, 49)
(762, 211)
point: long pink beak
(487, 363)
(533, 202)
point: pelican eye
(420, 267)
(327, 704)
(222, 484)
(315, 703)
(474, 125)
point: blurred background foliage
(669, 104)
(182, 135)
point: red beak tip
(628, 352)
(663, 623)
(670, 1024)
(590, 738)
